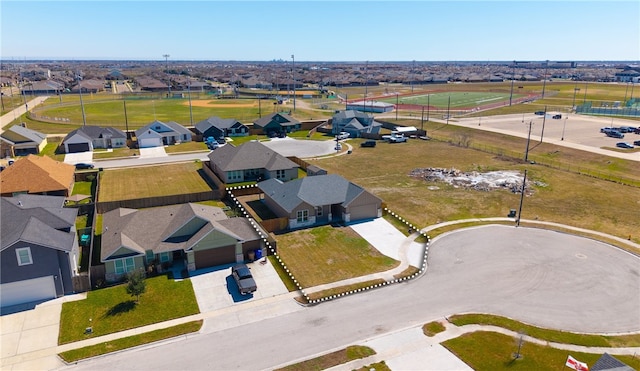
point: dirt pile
(489, 181)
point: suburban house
(20, 141)
(158, 134)
(39, 249)
(276, 123)
(319, 199)
(219, 128)
(192, 236)
(355, 123)
(37, 175)
(88, 138)
(251, 161)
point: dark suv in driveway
(368, 143)
(83, 166)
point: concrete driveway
(30, 331)
(387, 239)
(215, 288)
(79, 157)
(152, 152)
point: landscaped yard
(112, 309)
(327, 254)
(152, 181)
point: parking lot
(577, 131)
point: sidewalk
(7, 118)
(401, 357)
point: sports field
(458, 99)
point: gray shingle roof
(37, 219)
(316, 190)
(29, 134)
(250, 155)
(215, 121)
(282, 118)
(171, 125)
(151, 229)
(609, 363)
(97, 132)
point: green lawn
(112, 309)
(327, 254)
(546, 334)
(493, 351)
(130, 341)
(82, 188)
(152, 181)
(458, 99)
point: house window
(280, 174)
(234, 175)
(24, 256)
(303, 216)
(124, 265)
(319, 211)
(164, 257)
(150, 256)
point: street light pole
(524, 182)
(526, 152)
(396, 106)
(513, 76)
(364, 102)
(84, 118)
(190, 109)
(166, 69)
(563, 126)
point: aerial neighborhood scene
(315, 185)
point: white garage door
(27, 291)
(150, 142)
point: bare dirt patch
(214, 103)
(489, 181)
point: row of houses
(40, 249)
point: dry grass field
(558, 196)
(152, 181)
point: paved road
(7, 118)
(541, 277)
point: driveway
(215, 288)
(152, 152)
(79, 157)
(388, 240)
(301, 148)
(32, 330)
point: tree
(136, 284)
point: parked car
(614, 134)
(368, 143)
(627, 129)
(604, 130)
(540, 113)
(83, 166)
(242, 275)
(636, 143)
(637, 131)
(557, 117)
(343, 135)
(623, 145)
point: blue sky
(321, 30)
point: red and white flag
(576, 365)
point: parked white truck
(395, 137)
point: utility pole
(513, 76)
(126, 119)
(422, 120)
(448, 107)
(586, 86)
(396, 106)
(190, 108)
(84, 118)
(166, 69)
(293, 74)
(428, 106)
(364, 102)
(524, 182)
(544, 78)
(544, 118)
(413, 71)
(526, 152)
